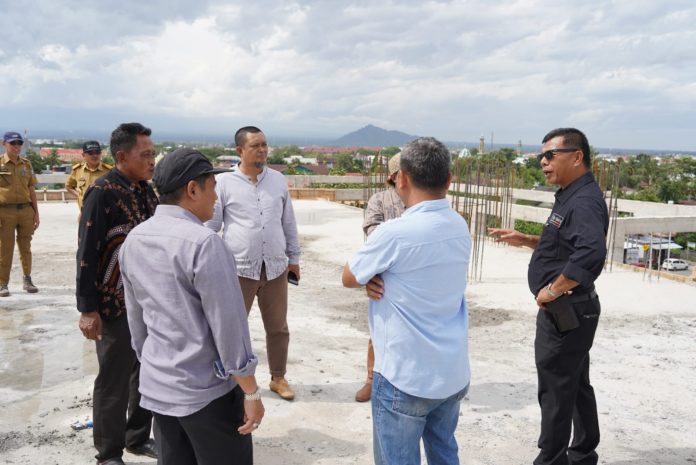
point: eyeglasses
(93, 153)
(549, 154)
(17, 142)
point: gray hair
(427, 162)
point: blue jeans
(400, 420)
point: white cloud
(449, 69)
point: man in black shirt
(114, 205)
(568, 257)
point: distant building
(228, 160)
(299, 159)
(66, 155)
(464, 153)
(48, 141)
(642, 249)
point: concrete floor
(643, 369)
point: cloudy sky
(624, 71)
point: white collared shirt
(258, 222)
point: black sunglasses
(17, 142)
(549, 154)
(93, 152)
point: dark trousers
(119, 420)
(207, 437)
(566, 396)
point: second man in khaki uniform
(84, 174)
(19, 213)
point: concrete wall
(647, 216)
(293, 180)
(653, 209)
(300, 181)
(54, 195)
(637, 208)
(327, 194)
(53, 178)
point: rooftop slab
(643, 361)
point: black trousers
(119, 420)
(207, 437)
(566, 396)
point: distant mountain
(372, 136)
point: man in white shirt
(255, 211)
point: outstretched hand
(509, 236)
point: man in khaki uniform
(18, 211)
(84, 174)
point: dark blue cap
(11, 136)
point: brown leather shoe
(364, 393)
(280, 386)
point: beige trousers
(273, 304)
(19, 222)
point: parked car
(674, 264)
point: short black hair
(241, 135)
(573, 137)
(125, 136)
(426, 160)
(174, 197)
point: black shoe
(148, 449)
(116, 461)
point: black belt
(18, 206)
(575, 298)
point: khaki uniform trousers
(273, 304)
(20, 222)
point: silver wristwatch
(256, 395)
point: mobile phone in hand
(292, 278)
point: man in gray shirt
(259, 227)
(188, 322)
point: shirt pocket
(552, 240)
(5, 180)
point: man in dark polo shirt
(115, 204)
(568, 257)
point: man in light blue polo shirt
(415, 269)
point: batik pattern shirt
(382, 206)
(112, 207)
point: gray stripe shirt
(185, 311)
(259, 222)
